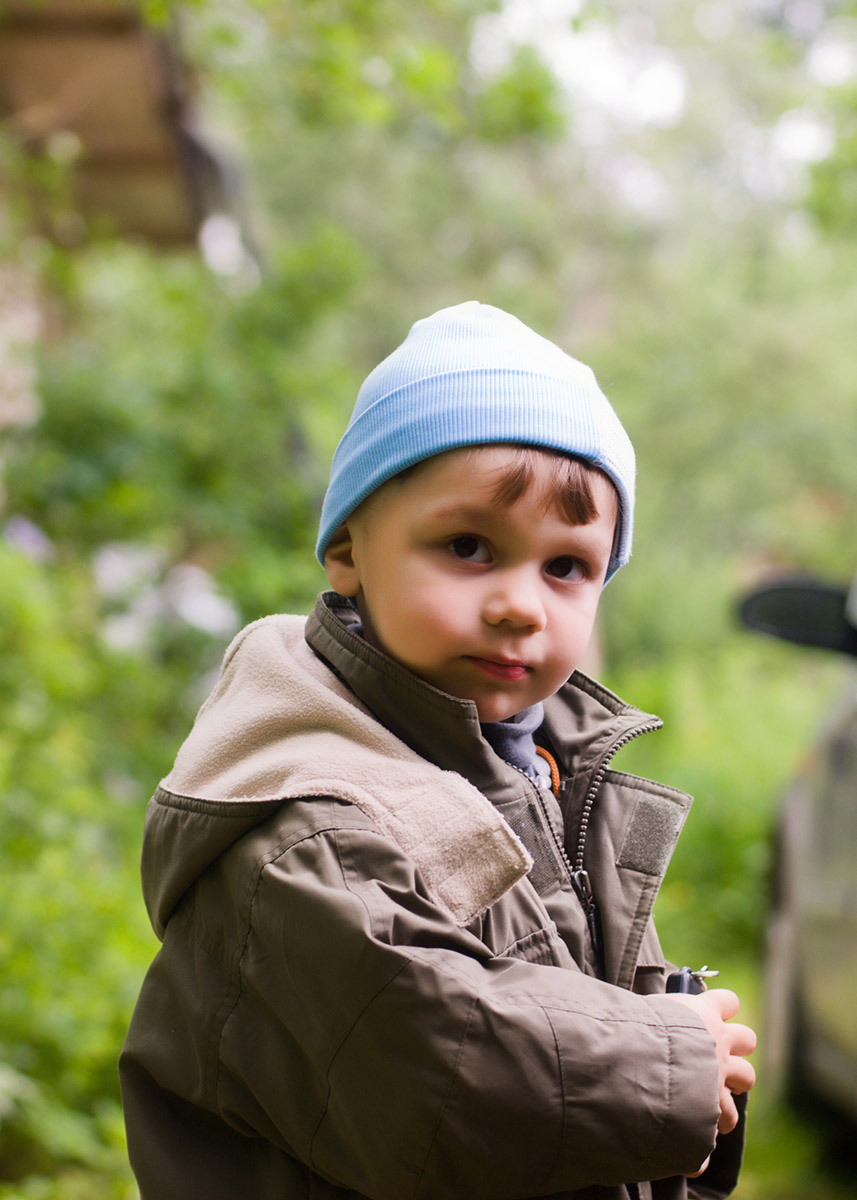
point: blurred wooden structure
(87, 79)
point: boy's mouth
(501, 668)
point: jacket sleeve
(385, 1048)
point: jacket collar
(584, 722)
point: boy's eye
(470, 549)
(565, 568)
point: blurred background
(214, 220)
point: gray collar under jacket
(255, 744)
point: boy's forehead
(471, 479)
(465, 467)
(491, 458)
(485, 465)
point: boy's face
(491, 603)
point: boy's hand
(735, 1074)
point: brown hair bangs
(570, 486)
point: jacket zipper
(578, 878)
(577, 872)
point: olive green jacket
(377, 979)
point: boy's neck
(512, 739)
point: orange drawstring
(551, 761)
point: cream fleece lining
(280, 725)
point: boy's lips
(501, 668)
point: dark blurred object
(801, 610)
(88, 82)
(689, 983)
(811, 1020)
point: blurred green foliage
(69, 852)
(187, 419)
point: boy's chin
(500, 710)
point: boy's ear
(339, 563)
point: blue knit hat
(474, 375)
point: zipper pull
(583, 887)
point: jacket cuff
(688, 1135)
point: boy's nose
(514, 598)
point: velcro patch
(652, 835)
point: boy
(404, 902)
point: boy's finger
(726, 1002)
(728, 1112)
(740, 1076)
(742, 1039)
